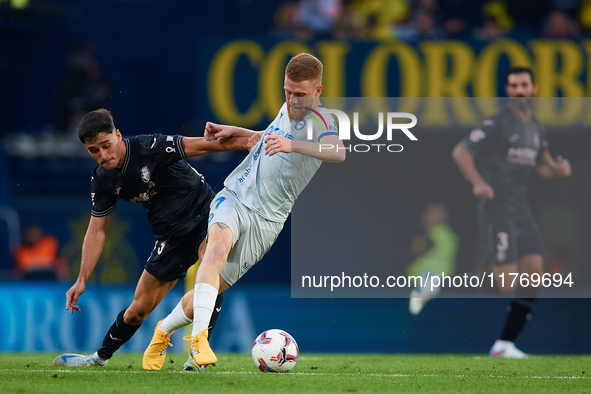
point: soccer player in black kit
(497, 159)
(151, 170)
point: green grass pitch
(314, 373)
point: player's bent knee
(213, 265)
(136, 314)
(217, 253)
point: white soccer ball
(275, 351)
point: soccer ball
(275, 351)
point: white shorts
(253, 234)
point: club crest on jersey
(145, 174)
(476, 135)
(300, 125)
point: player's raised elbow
(340, 156)
(332, 151)
(336, 156)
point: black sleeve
(103, 201)
(481, 140)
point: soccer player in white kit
(248, 214)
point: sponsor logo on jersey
(255, 157)
(145, 174)
(278, 131)
(476, 135)
(144, 197)
(169, 138)
(514, 137)
(488, 122)
(524, 156)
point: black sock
(118, 334)
(216, 313)
(518, 314)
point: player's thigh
(220, 239)
(531, 264)
(530, 244)
(170, 259)
(225, 221)
(505, 276)
(225, 212)
(256, 239)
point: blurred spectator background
(412, 20)
(37, 258)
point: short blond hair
(304, 67)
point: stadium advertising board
(429, 69)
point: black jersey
(155, 174)
(506, 150)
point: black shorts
(508, 237)
(171, 259)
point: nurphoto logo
(345, 130)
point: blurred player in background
(437, 251)
(497, 159)
(151, 170)
(248, 214)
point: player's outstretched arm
(214, 131)
(197, 146)
(465, 162)
(218, 138)
(94, 241)
(551, 168)
(329, 149)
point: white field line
(383, 375)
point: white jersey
(270, 185)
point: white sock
(175, 320)
(203, 304)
